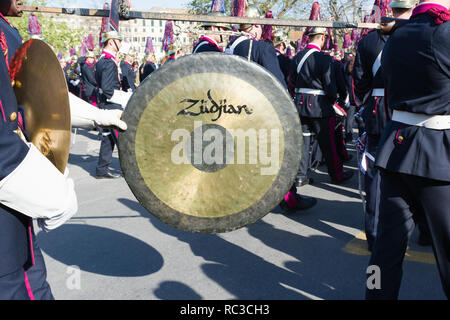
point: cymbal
(213, 143)
(40, 86)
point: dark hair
(399, 11)
(316, 36)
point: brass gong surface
(213, 143)
(40, 86)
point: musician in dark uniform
(30, 187)
(369, 91)
(316, 93)
(147, 67)
(413, 154)
(171, 54)
(73, 76)
(110, 95)
(263, 53)
(127, 75)
(210, 42)
(279, 43)
(260, 52)
(88, 82)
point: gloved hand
(47, 224)
(75, 82)
(121, 97)
(85, 115)
(108, 118)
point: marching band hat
(251, 11)
(216, 24)
(279, 37)
(404, 4)
(173, 49)
(318, 30)
(111, 35)
(90, 54)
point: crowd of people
(401, 115)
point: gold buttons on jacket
(400, 139)
(13, 116)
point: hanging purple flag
(168, 38)
(34, 28)
(218, 6)
(149, 46)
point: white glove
(47, 224)
(86, 116)
(37, 189)
(121, 97)
(110, 118)
(75, 82)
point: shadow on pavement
(100, 250)
(174, 290)
(246, 275)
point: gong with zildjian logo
(213, 143)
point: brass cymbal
(40, 86)
(213, 143)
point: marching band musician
(316, 93)
(263, 53)
(88, 82)
(279, 43)
(30, 185)
(369, 91)
(147, 67)
(211, 42)
(110, 98)
(251, 48)
(127, 72)
(414, 149)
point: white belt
(310, 91)
(422, 120)
(378, 93)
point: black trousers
(405, 199)
(106, 151)
(30, 282)
(324, 130)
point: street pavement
(114, 249)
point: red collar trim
(425, 6)
(312, 45)
(210, 41)
(108, 55)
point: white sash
(302, 62)
(377, 64)
(200, 44)
(230, 50)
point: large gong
(213, 143)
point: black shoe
(424, 240)
(108, 175)
(304, 203)
(346, 176)
(302, 181)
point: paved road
(114, 249)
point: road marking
(358, 246)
